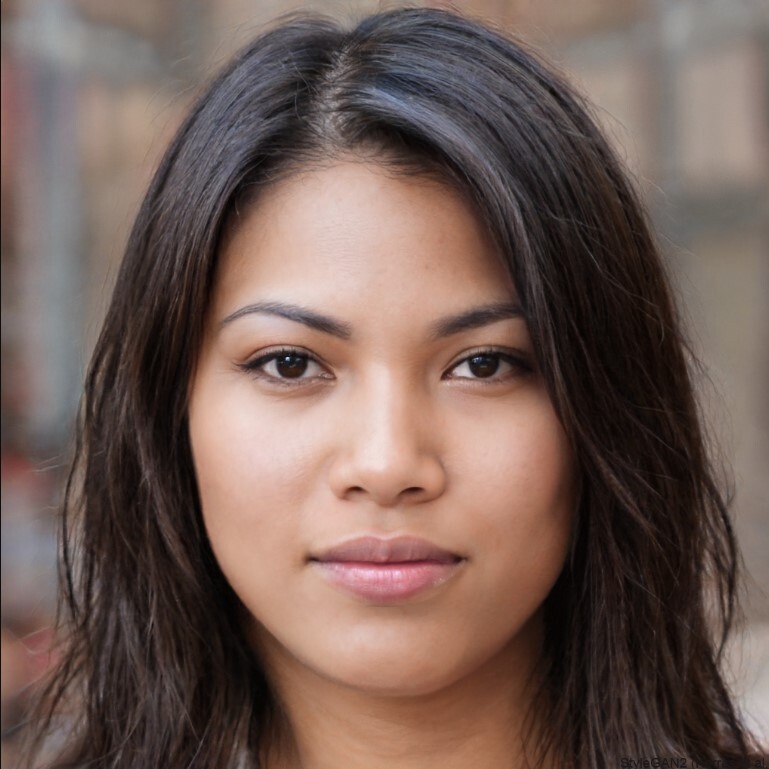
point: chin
(405, 667)
(385, 678)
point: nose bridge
(386, 403)
(389, 451)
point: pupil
(483, 365)
(291, 366)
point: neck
(482, 720)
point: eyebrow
(453, 324)
(476, 318)
(295, 313)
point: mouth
(387, 570)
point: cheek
(527, 495)
(254, 475)
(247, 453)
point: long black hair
(157, 670)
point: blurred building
(93, 89)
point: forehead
(357, 235)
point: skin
(387, 432)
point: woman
(389, 454)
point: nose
(387, 450)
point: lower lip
(387, 582)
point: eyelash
(520, 364)
(256, 366)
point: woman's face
(383, 479)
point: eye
(286, 365)
(490, 364)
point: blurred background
(91, 93)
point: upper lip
(377, 550)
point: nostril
(411, 492)
(394, 479)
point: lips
(387, 570)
